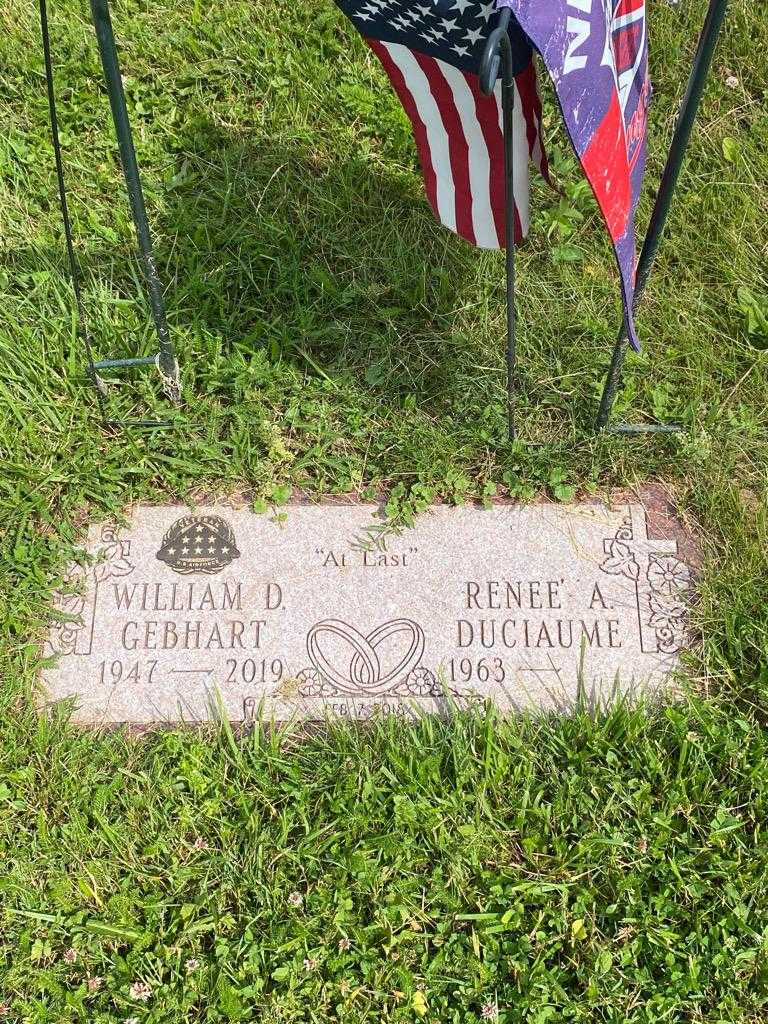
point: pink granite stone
(187, 614)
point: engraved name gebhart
(332, 611)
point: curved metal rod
(490, 62)
(497, 55)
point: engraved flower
(72, 604)
(312, 684)
(665, 612)
(71, 601)
(112, 558)
(621, 561)
(668, 575)
(421, 682)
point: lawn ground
(334, 338)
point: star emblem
(198, 544)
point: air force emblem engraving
(203, 544)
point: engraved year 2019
(254, 670)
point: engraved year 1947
(132, 672)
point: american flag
(431, 52)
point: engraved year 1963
(462, 670)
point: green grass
(573, 870)
(334, 338)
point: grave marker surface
(325, 609)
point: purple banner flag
(596, 53)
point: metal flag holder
(164, 359)
(498, 56)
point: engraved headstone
(190, 614)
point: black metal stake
(677, 150)
(508, 111)
(498, 54)
(74, 268)
(166, 360)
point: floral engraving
(71, 636)
(668, 579)
(621, 560)
(661, 581)
(668, 575)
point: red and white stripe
(459, 136)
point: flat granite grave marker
(187, 615)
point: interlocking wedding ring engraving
(364, 671)
(408, 662)
(370, 670)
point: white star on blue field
(454, 31)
